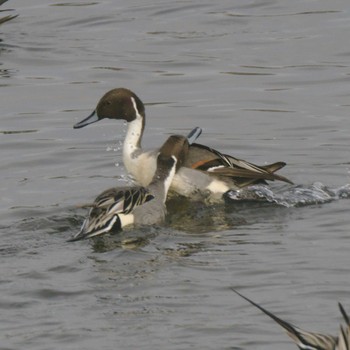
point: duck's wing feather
(122, 200)
(104, 217)
(304, 340)
(208, 159)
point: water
(291, 196)
(266, 80)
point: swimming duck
(309, 340)
(206, 172)
(116, 208)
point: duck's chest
(141, 166)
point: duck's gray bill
(194, 134)
(92, 118)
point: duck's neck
(132, 142)
(162, 180)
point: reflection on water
(129, 239)
(197, 217)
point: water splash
(118, 146)
(292, 196)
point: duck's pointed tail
(304, 340)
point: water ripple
(294, 196)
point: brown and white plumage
(311, 340)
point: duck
(310, 340)
(206, 173)
(118, 207)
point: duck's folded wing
(208, 159)
(97, 223)
(104, 217)
(248, 174)
(122, 200)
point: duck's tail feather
(304, 340)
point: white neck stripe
(133, 134)
(135, 107)
(170, 177)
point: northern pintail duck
(205, 171)
(116, 208)
(309, 340)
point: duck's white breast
(141, 166)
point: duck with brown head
(118, 207)
(206, 172)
